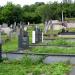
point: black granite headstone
(38, 35)
(20, 39)
(23, 40)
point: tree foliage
(35, 13)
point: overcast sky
(25, 2)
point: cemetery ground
(59, 45)
(26, 66)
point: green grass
(71, 29)
(26, 66)
(54, 49)
(70, 19)
(10, 45)
(62, 42)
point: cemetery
(33, 46)
(27, 46)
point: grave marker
(4, 25)
(37, 35)
(23, 39)
(28, 23)
(14, 26)
(33, 37)
(48, 25)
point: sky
(25, 2)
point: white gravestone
(33, 36)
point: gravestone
(37, 35)
(48, 25)
(11, 26)
(4, 25)
(23, 39)
(20, 35)
(14, 26)
(33, 37)
(22, 26)
(28, 23)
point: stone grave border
(69, 57)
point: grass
(62, 42)
(70, 19)
(54, 49)
(10, 45)
(26, 66)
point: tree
(11, 13)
